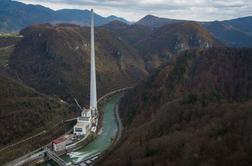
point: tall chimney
(93, 92)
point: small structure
(59, 144)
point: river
(102, 141)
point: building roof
(84, 118)
(81, 124)
(59, 140)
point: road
(22, 141)
(28, 157)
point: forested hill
(194, 111)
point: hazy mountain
(235, 32)
(194, 111)
(16, 15)
(55, 60)
(244, 24)
(82, 17)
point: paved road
(24, 140)
(28, 157)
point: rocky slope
(55, 60)
(194, 111)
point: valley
(190, 102)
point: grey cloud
(199, 9)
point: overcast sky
(132, 10)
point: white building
(59, 144)
(83, 123)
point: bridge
(51, 155)
(86, 162)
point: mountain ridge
(155, 22)
(15, 16)
(234, 32)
